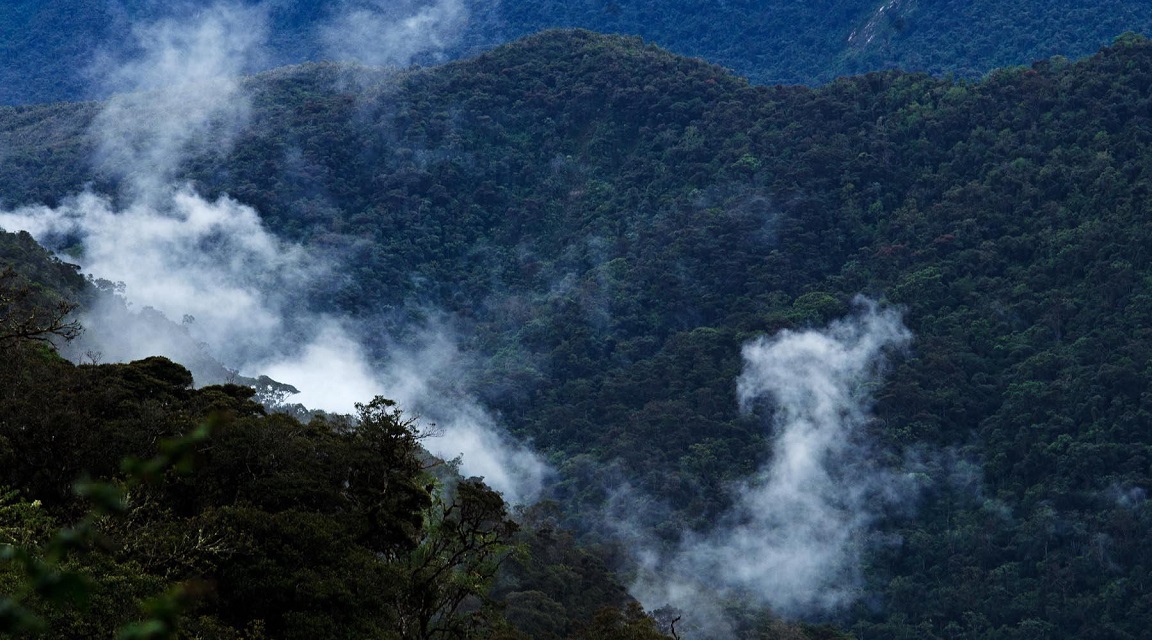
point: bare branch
(22, 318)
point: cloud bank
(182, 255)
(242, 292)
(210, 262)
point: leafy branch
(44, 575)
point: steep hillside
(49, 44)
(607, 223)
(134, 505)
(795, 42)
(131, 502)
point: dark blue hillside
(47, 46)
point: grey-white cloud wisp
(429, 379)
(182, 255)
(180, 96)
(241, 290)
(793, 538)
(212, 260)
(393, 32)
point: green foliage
(273, 528)
(463, 543)
(47, 580)
(616, 624)
(31, 305)
(585, 208)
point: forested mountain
(48, 45)
(134, 506)
(608, 224)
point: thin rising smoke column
(795, 534)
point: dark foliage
(49, 45)
(271, 527)
(609, 223)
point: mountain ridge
(791, 42)
(606, 264)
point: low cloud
(179, 96)
(393, 32)
(794, 537)
(184, 255)
(240, 294)
(330, 369)
(430, 380)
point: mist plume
(430, 379)
(393, 32)
(180, 96)
(793, 539)
(241, 290)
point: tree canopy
(608, 223)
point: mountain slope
(607, 223)
(131, 501)
(49, 45)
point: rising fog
(179, 96)
(794, 536)
(393, 32)
(240, 293)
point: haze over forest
(454, 327)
